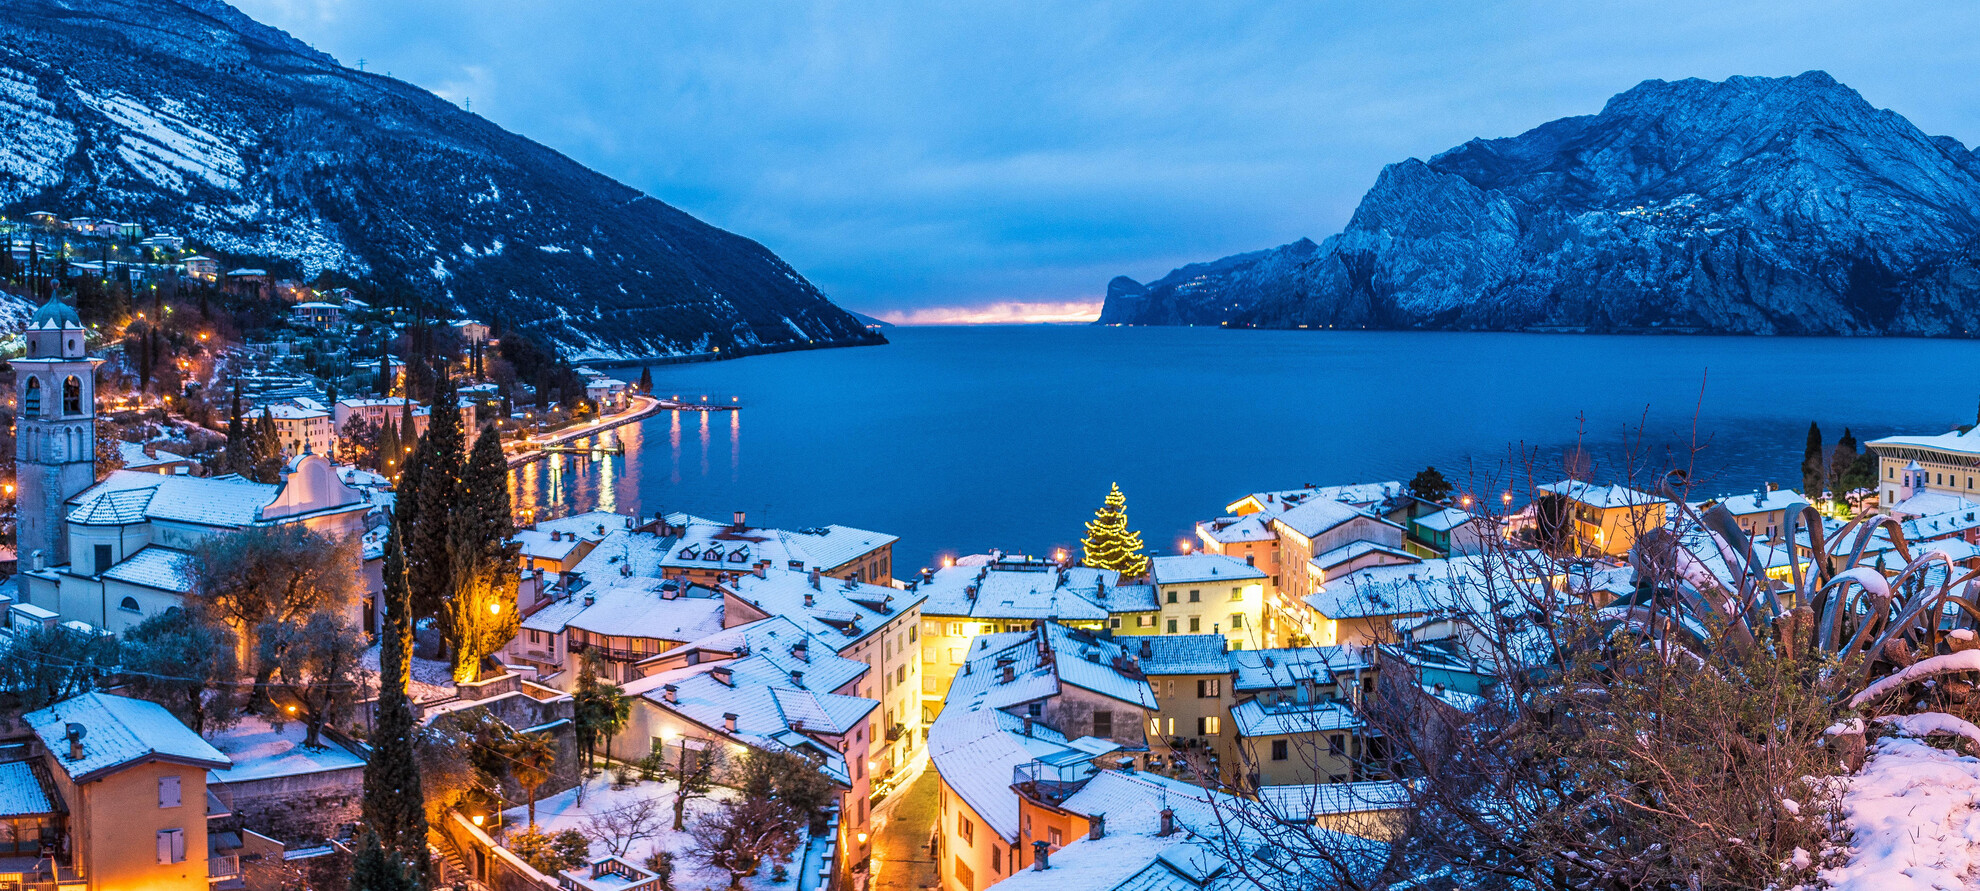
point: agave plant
(1704, 577)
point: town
(275, 621)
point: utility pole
(360, 64)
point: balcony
(609, 654)
(895, 732)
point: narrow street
(901, 861)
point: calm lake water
(964, 439)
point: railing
(895, 732)
(609, 654)
(225, 866)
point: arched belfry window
(31, 397)
(72, 396)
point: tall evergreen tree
(385, 366)
(394, 805)
(646, 379)
(237, 440)
(1108, 542)
(1812, 465)
(440, 460)
(481, 613)
(265, 450)
(1841, 458)
(390, 454)
(376, 869)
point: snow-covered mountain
(1756, 205)
(191, 117)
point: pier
(676, 403)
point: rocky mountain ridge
(191, 117)
(1751, 206)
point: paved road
(900, 845)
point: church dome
(56, 313)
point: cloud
(1001, 313)
(906, 155)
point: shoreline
(878, 339)
(644, 406)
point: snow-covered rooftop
(1189, 568)
(157, 567)
(838, 611)
(1603, 497)
(21, 791)
(1966, 442)
(118, 731)
(1180, 653)
(1011, 589)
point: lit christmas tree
(1109, 544)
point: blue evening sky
(975, 159)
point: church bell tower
(54, 431)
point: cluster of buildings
(1088, 730)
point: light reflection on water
(959, 440)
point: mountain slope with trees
(187, 116)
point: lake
(963, 439)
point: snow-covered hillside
(1753, 205)
(187, 116)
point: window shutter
(165, 846)
(178, 846)
(168, 791)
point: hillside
(190, 117)
(1752, 206)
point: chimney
(1041, 855)
(1097, 830)
(38, 561)
(1147, 650)
(802, 650)
(814, 584)
(969, 591)
(1027, 725)
(723, 675)
(729, 721)
(740, 525)
(670, 693)
(1168, 823)
(797, 724)
(810, 600)
(75, 740)
(762, 569)
(797, 677)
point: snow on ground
(1914, 820)
(431, 679)
(562, 811)
(259, 751)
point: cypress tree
(375, 869)
(646, 379)
(439, 459)
(408, 431)
(237, 446)
(482, 604)
(265, 450)
(385, 366)
(394, 805)
(1108, 542)
(1812, 464)
(389, 451)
